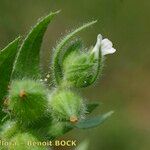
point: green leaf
(28, 58)
(57, 51)
(91, 106)
(93, 122)
(7, 57)
(74, 46)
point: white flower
(104, 45)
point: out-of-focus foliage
(125, 83)
(83, 145)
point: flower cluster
(32, 110)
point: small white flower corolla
(104, 45)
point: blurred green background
(125, 84)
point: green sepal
(57, 51)
(27, 64)
(93, 122)
(98, 70)
(79, 69)
(76, 45)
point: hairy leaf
(56, 66)
(27, 62)
(91, 107)
(74, 46)
(93, 122)
(7, 57)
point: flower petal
(106, 43)
(106, 51)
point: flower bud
(81, 69)
(27, 100)
(66, 106)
